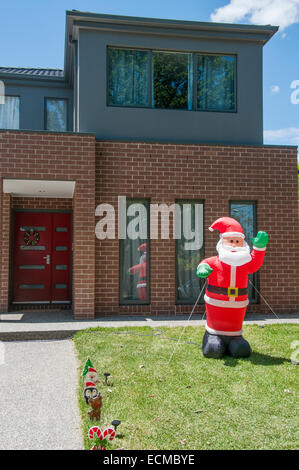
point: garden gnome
(226, 295)
(91, 375)
(140, 269)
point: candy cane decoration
(108, 433)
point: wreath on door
(31, 238)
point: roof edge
(96, 17)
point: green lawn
(193, 402)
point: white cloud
(287, 136)
(275, 89)
(281, 13)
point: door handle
(47, 258)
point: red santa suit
(226, 295)
(140, 269)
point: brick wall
(216, 174)
(161, 173)
(42, 203)
(53, 156)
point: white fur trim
(211, 229)
(233, 270)
(226, 303)
(141, 285)
(224, 333)
(259, 249)
(232, 234)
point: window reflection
(245, 213)
(134, 255)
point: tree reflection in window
(128, 77)
(245, 213)
(56, 115)
(216, 82)
(171, 88)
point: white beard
(234, 256)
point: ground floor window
(189, 250)
(245, 213)
(134, 254)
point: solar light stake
(115, 424)
(106, 374)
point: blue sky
(32, 35)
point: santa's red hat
(90, 384)
(142, 247)
(227, 227)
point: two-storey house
(160, 115)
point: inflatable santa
(140, 269)
(226, 296)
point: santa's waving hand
(226, 295)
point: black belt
(230, 291)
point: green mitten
(261, 239)
(203, 270)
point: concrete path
(55, 325)
(38, 396)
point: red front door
(42, 254)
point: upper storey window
(172, 77)
(128, 77)
(56, 114)
(171, 80)
(216, 82)
(10, 113)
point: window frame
(146, 203)
(19, 124)
(255, 276)
(201, 281)
(46, 114)
(194, 55)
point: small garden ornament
(226, 295)
(89, 373)
(101, 438)
(96, 405)
(90, 391)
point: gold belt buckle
(232, 291)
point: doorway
(41, 258)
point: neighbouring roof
(32, 71)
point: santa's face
(91, 376)
(233, 241)
(234, 251)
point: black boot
(213, 346)
(239, 347)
